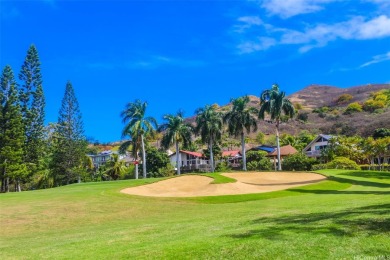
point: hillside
(332, 122)
(315, 96)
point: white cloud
(380, 2)
(263, 43)
(250, 20)
(377, 59)
(376, 28)
(357, 28)
(289, 8)
(247, 22)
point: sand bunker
(251, 182)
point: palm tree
(209, 126)
(138, 125)
(115, 167)
(239, 119)
(274, 103)
(175, 132)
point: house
(272, 151)
(190, 160)
(233, 157)
(105, 156)
(284, 151)
(100, 159)
(314, 148)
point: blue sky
(186, 54)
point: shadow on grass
(352, 182)
(286, 183)
(369, 174)
(368, 220)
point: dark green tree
(32, 101)
(69, 147)
(176, 131)
(209, 127)
(275, 103)
(157, 159)
(298, 162)
(241, 118)
(258, 161)
(11, 133)
(381, 133)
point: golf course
(343, 216)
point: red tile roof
(196, 154)
(284, 150)
(232, 153)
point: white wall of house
(187, 160)
(183, 159)
(314, 150)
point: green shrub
(166, 171)
(255, 156)
(128, 173)
(322, 114)
(156, 159)
(325, 109)
(262, 165)
(379, 111)
(303, 117)
(260, 138)
(372, 104)
(344, 98)
(298, 162)
(257, 160)
(354, 107)
(342, 163)
(223, 167)
(321, 110)
(381, 133)
(297, 106)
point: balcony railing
(313, 153)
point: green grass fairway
(345, 217)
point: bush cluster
(257, 161)
(298, 162)
(354, 107)
(344, 98)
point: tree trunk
(3, 178)
(7, 184)
(18, 186)
(136, 171)
(278, 146)
(211, 155)
(78, 178)
(379, 163)
(243, 151)
(177, 157)
(143, 157)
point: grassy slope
(345, 217)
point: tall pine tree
(11, 133)
(32, 101)
(70, 145)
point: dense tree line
(33, 155)
(210, 124)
